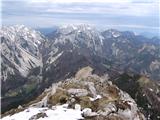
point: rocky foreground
(86, 96)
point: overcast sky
(122, 14)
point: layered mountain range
(31, 62)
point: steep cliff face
(20, 54)
(20, 48)
(87, 95)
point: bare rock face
(38, 115)
(83, 73)
(93, 97)
(20, 47)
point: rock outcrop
(95, 97)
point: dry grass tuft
(60, 97)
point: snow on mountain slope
(19, 47)
(78, 36)
(83, 39)
(12, 32)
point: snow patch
(58, 113)
(97, 97)
(53, 59)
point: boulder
(78, 92)
(108, 109)
(92, 88)
(87, 112)
(77, 107)
(20, 107)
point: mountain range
(32, 62)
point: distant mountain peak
(80, 27)
(21, 32)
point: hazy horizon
(132, 15)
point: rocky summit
(87, 96)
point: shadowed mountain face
(32, 62)
(144, 91)
(125, 49)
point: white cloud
(130, 9)
(114, 7)
(134, 26)
(79, 1)
(137, 13)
